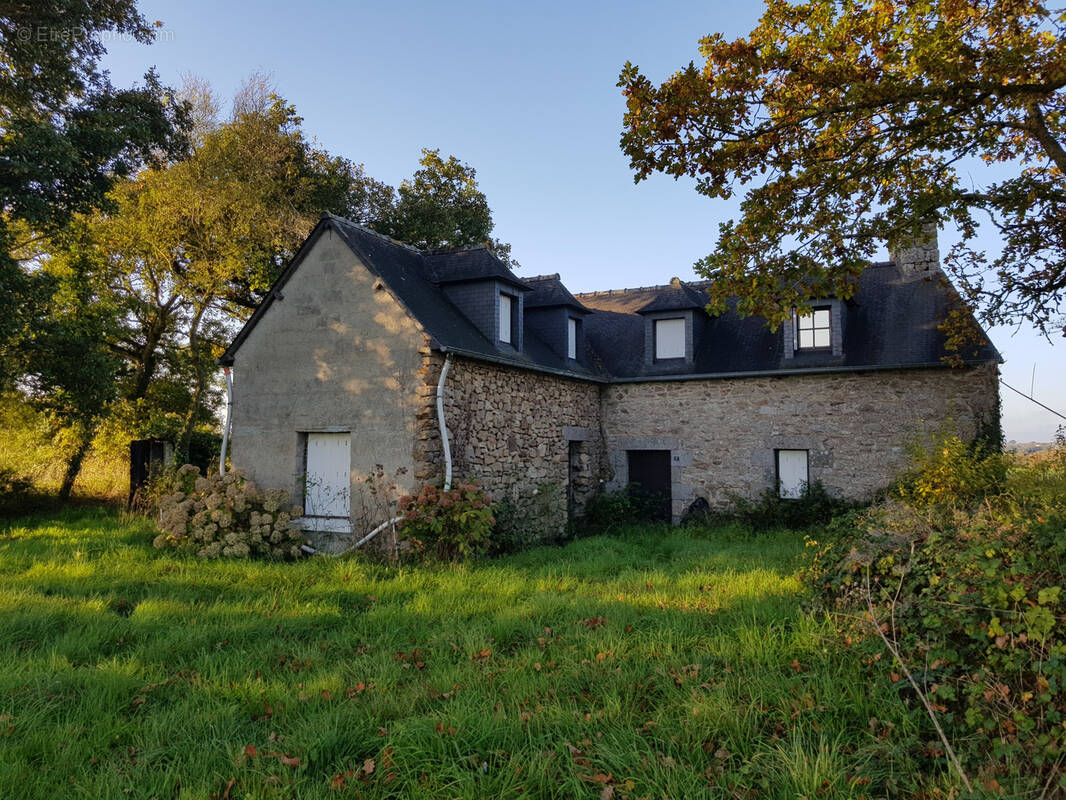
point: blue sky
(525, 93)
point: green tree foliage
(442, 206)
(66, 369)
(189, 248)
(849, 123)
(66, 136)
(66, 133)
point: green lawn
(661, 664)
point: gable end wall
(346, 359)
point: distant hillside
(1027, 447)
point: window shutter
(571, 338)
(792, 473)
(505, 318)
(669, 338)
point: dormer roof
(459, 265)
(675, 297)
(549, 292)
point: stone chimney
(917, 256)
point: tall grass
(30, 449)
(653, 663)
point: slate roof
(890, 323)
(415, 278)
(675, 297)
(459, 265)
(548, 292)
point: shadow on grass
(132, 669)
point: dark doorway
(573, 475)
(147, 458)
(650, 470)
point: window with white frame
(571, 338)
(669, 337)
(506, 315)
(792, 473)
(814, 331)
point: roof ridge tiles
(447, 251)
(659, 288)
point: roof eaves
(770, 373)
(527, 365)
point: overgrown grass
(656, 663)
(34, 453)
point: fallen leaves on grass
(250, 751)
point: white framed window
(792, 473)
(669, 337)
(571, 338)
(814, 330)
(506, 311)
(327, 475)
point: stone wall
(511, 431)
(917, 256)
(722, 434)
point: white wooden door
(328, 489)
(792, 472)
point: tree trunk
(145, 362)
(185, 439)
(74, 466)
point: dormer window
(814, 330)
(669, 338)
(506, 318)
(571, 338)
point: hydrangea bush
(451, 525)
(228, 516)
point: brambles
(452, 524)
(228, 516)
(966, 576)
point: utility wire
(1028, 397)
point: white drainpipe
(229, 420)
(444, 444)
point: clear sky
(525, 93)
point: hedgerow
(964, 573)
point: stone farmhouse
(550, 396)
